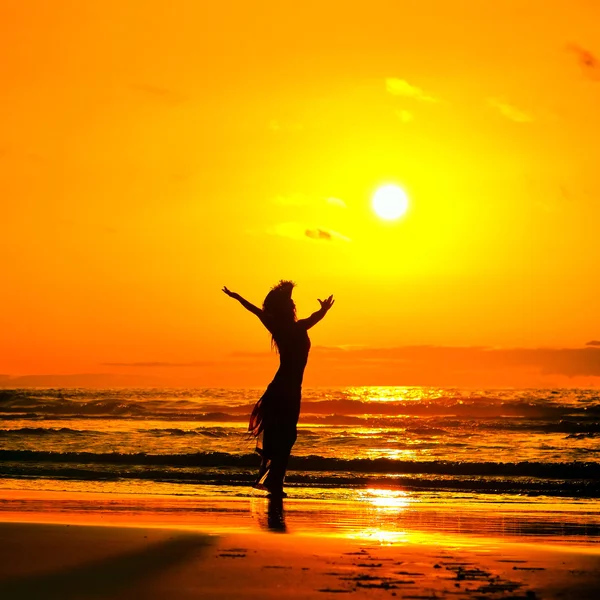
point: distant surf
(498, 441)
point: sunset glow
(299, 299)
(145, 162)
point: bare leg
(278, 443)
(262, 471)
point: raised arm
(248, 306)
(319, 314)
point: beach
(411, 493)
(86, 545)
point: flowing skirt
(273, 422)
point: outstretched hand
(229, 292)
(327, 303)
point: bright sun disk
(390, 202)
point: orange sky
(152, 152)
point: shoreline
(73, 546)
(381, 514)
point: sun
(390, 202)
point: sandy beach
(219, 552)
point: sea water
(534, 442)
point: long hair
(279, 306)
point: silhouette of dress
(275, 415)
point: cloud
(588, 62)
(152, 364)
(326, 234)
(400, 87)
(471, 366)
(300, 232)
(451, 366)
(301, 200)
(83, 380)
(336, 202)
(318, 234)
(509, 111)
(447, 365)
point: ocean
(192, 441)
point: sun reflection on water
(375, 393)
(381, 498)
(392, 453)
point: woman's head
(278, 302)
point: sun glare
(390, 202)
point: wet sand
(88, 550)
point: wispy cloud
(81, 380)
(319, 234)
(358, 365)
(153, 364)
(400, 87)
(298, 200)
(588, 62)
(570, 362)
(336, 202)
(509, 111)
(300, 232)
(452, 365)
(326, 234)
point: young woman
(275, 415)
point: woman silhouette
(275, 415)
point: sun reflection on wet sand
(382, 536)
(383, 501)
(375, 514)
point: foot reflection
(276, 515)
(269, 513)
